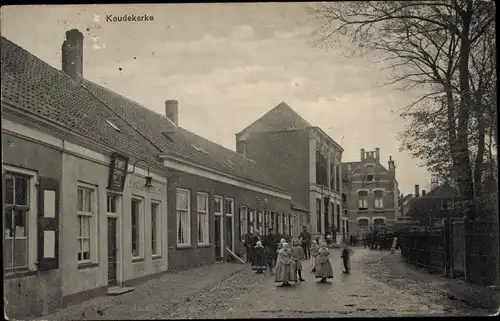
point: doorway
(218, 238)
(112, 251)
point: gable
(281, 117)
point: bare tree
(428, 44)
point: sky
(227, 65)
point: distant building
(433, 207)
(372, 192)
(302, 159)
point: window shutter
(48, 224)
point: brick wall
(182, 258)
(285, 156)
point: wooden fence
(457, 249)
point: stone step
(118, 290)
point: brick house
(432, 207)
(371, 191)
(102, 192)
(301, 158)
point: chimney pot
(172, 111)
(417, 193)
(72, 54)
(362, 154)
(423, 192)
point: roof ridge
(130, 100)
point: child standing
(323, 266)
(346, 254)
(314, 253)
(284, 266)
(258, 258)
(297, 256)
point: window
(16, 217)
(369, 178)
(202, 201)
(243, 222)
(280, 223)
(363, 223)
(229, 206)
(112, 204)
(363, 200)
(261, 222)
(183, 218)
(218, 205)
(318, 211)
(337, 178)
(136, 211)
(86, 222)
(379, 199)
(378, 222)
(286, 223)
(338, 216)
(252, 220)
(444, 205)
(273, 221)
(155, 228)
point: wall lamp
(149, 179)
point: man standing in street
(306, 242)
(271, 243)
(249, 244)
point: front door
(228, 236)
(218, 237)
(112, 251)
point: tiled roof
(444, 190)
(181, 143)
(281, 117)
(354, 165)
(33, 86)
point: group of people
(287, 260)
(379, 239)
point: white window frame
(261, 221)
(157, 228)
(243, 222)
(230, 214)
(378, 202)
(202, 217)
(279, 216)
(187, 219)
(31, 216)
(93, 237)
(363, 201)
(140, 222)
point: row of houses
(100, 191)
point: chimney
(172, 111)
(72, 54)
(377, 154)
(423, 192)
(362, 154)
(417, 194)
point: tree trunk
(465, 181)
(478, 163)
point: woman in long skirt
(323, 266)
(285, 271)
(314, 254)
(258, 258)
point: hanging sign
(117, 172)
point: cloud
(243, 32)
